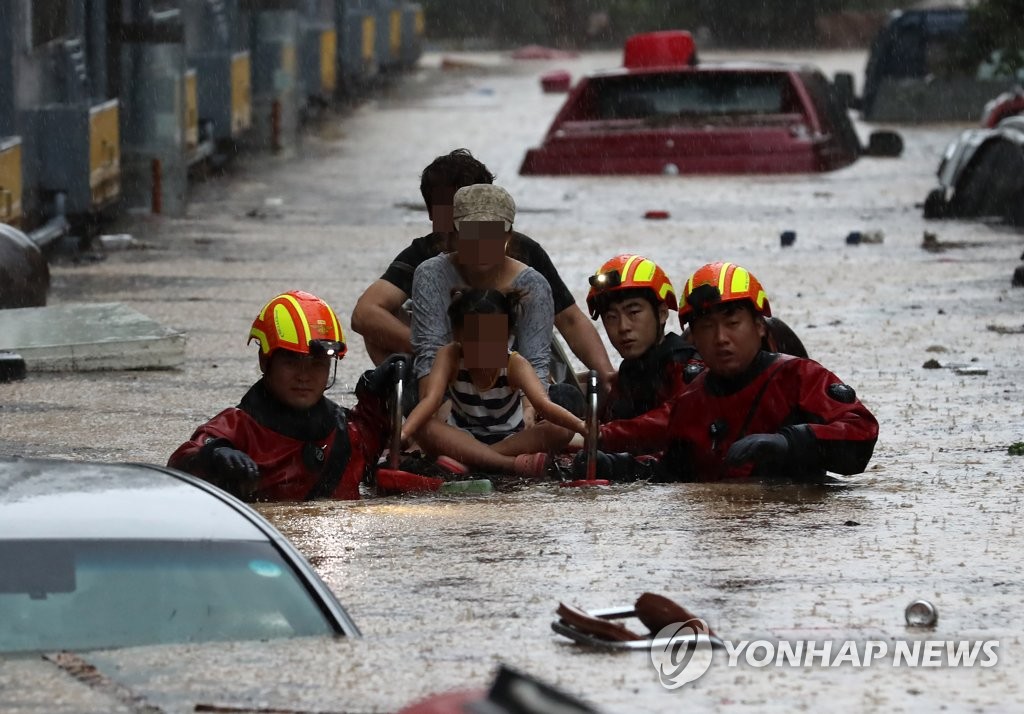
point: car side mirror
(843, 86)
(884, 144)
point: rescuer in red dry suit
(633, 298)
(751, 413)
(286, 441)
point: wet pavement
(444, 588)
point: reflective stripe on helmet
(293, 321)
(287, 321)
(733, 282)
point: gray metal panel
(153, 113)
(96, 47)
(272, 32)
(60, 149)
(310, 76)
(95, 336)
(412, 45)
(210, 25)
(315, 18)
(213, 90)
(7, 124)
(352, 70)
(385, 58)
(275, 35)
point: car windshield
(694, 94)
(78, 595)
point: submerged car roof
(68, 499)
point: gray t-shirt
(432, 285)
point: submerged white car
(981, 174)
(100, 556)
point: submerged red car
(663, 112)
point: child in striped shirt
(486, 383)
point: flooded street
(445, 588)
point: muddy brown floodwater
(444, 588)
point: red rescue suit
(320, 453)
(826, 427)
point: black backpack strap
(336, 461)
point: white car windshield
(79, 595)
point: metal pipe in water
(591, 419)
(396, 415)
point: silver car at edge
(99, 556)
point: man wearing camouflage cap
(381, 316)
(483, 215)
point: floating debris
(556, 81)
(931, 243)
(119, 241)
(971, 371)
(921, 613)
(1003, 330)
(962, 368)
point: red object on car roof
(662, 114)
(1005, 105)
(668, 48)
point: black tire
(992, 184)
(935, 204)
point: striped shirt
(489, 415)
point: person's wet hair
(477, 301)
(451, 172)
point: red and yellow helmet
(717, 283)
(625, 272)
(300, 322)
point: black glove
(604, 465)
(614, 467)
(760, 449)
(231, 462)
(380, 381)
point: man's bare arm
(375, 318)
(581, 336)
